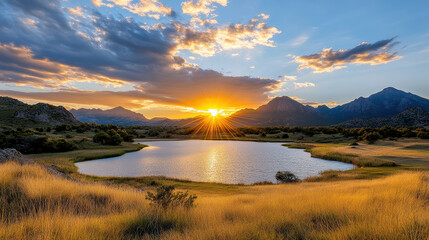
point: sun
(214, 112)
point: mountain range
(124, 117)
(390, 106)
(288, 112)
(117, 115)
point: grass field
(383, 202)
(36, 205)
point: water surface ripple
(212, 161)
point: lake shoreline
(357, 173)
(257, 162)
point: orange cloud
(18, 65)
(149, 8)
(145, 8)
(197, 7)
(328, 60)
(233, 36)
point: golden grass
(404, 151)
(330, 152)
(36, 205)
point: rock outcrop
(13, 155)
(49, 114)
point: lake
(212, 161)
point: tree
(115, 139)
(101, 137)
(286, 177)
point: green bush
(115, 138)
(42, 144)
(111, 137)
(101, 137)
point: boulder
(13, 155)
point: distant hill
(280, 111)
(124, 117)
(288, 112)
(410, 117)
(16, 113)
(117, 115)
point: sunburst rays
(215, 125)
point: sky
(177, 59)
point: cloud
(97, 3)
(149, 8)
(144, 8)
(18, 65)
(227, 37)
(299, 40)
(77, 11)
(316, 104)
(198, 7)
(54, 51)
(127, 99)
(288, 78)
(365, 53)
(203, 89)
(303, 84)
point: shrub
(286, 177)
(164, 197)
(371, 137)
(101, 137)
(63, 128)
(125, 135)
(115, 138)
(423, 135)
(62, 145)
(111, 137)
(285, 135)
(42, 144)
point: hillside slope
(410, 117)
(16, 113)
